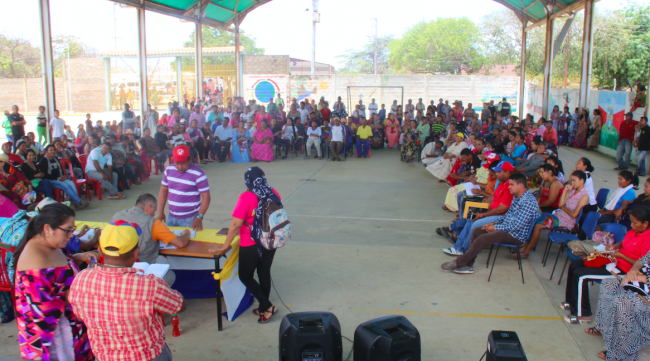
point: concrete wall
(266, 64)
(87, 89)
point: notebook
(156, 269)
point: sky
(281, 27)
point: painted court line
(460, 315)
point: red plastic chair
(97, 186)
(5, 281)
(154, 160)
(77, 182)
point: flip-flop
(603, 355)
(264, 319)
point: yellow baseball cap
(459, 134)
(121, 235)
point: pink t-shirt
(245, 209)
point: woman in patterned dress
(14, 181)
(582, 126)
(48, 328)
(623, 319)
(410, 144)
(262, 148)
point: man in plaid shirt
(121, 307)
(511, 228)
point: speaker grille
(310, 318)
(390, 324)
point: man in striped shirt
(188, 190)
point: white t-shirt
(393, 109)
(362, 109)
(103, 160)
(304, 114)
(58, 127)
(316, 131)
(336, 133)
(372, 108)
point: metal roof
(215, 13)
(223, 50)
(535, 11)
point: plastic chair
(77, 182)
(601, 197)
(97, 186)
(368, 151)
(469, 205)
(519, 263)
(5, 281)
(617, 230)
(589, 226)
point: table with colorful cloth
(196, 270)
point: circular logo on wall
(264, 90)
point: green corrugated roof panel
(534, 9)
(218, 10)
(177, 4)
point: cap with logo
(181, 153)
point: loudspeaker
(504, 346)
(310, 336)
(390, 338)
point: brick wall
(266, 64)
(87, 89)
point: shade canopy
(536, 11)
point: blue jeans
(180, 222)
(643, 154)
(363, 150)
(460, 197)
(68, 187)
(462, 244)
(45, 187)
(624, 149)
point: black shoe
(619, 168)
(284, 157)
(365, 156)
(359, 156)
(127, 188)
(445, 232)
(439, 231)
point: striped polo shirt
(185, 190)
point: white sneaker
(452, 251)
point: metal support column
(238, 79)
(548, 68)
(198, 54)
(647, 94)
(522, 71)
(142, 62)
(107, 81)
(46, 55)
(587, 48)
(179, 80)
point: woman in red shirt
(635, 245)
(252, 256)
(325, 111)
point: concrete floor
(364, 247)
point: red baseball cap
(504, 165)
(181, 153)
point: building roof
(535, 11)
(223, 50)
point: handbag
(597, 259)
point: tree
(18, 58)
(63, 44)
(363, 61)
(213, 37)
(447, 45)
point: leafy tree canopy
(213, 37)
(363, 61)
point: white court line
(371, 219)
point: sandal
(263, 319)
(574, 319)
(256, 311)
(565, 306)
(603, 355)
(594, 331)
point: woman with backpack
(247, 223)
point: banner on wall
(263, 88)
(308, 88)
(612, 108)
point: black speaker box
(391, 338)
(504, 346)
(310, 336)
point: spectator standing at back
(99, 166)
(625, 139)
(128, 117)
(121, 306)
(409, 108)
(419, 107)
(41, 125)
(188, 190)
(393, 108)
(57, 126)
(17, 122)
(304, 112)
(151, 119)
(504, 108)
(643, 146)
(198, 115)
(279, 101)
(373, 107)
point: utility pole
(315, 19)
(375, 46)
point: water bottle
(175, 323)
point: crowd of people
(506, 185)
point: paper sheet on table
(156, 269)
(88, 236)
(167, 245)
(178, 233)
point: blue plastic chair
(617, 230)
(589, 226)
(601, 197)
(521, 268)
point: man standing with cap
(188, 190)
(122, 307)
(625, 139)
